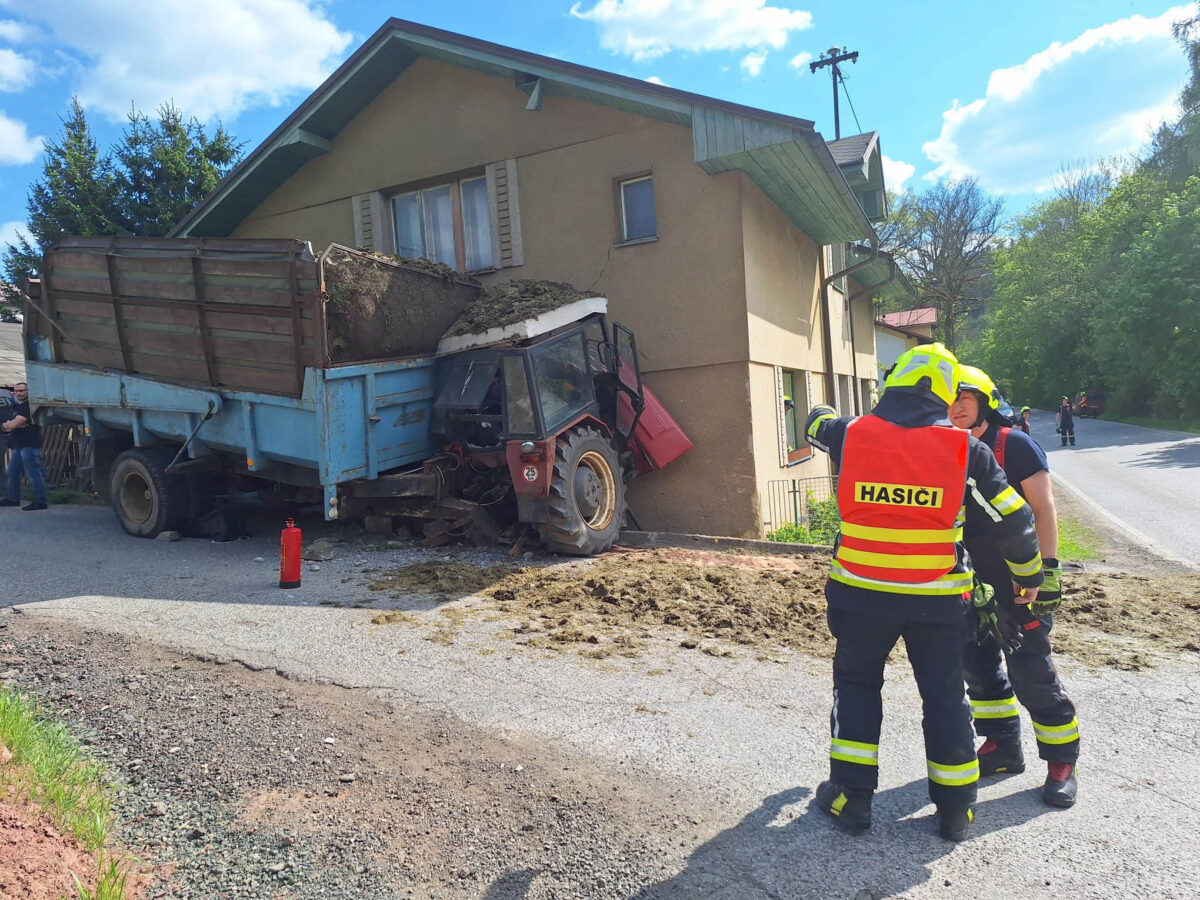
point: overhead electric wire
(846, 91)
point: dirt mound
(1121, 620)
(616, 603)
(37, 861)
(510, 302)
(381, 306)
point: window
(560, 373)
(836, 259)
(793, 400)
(867, 388)
(845, 399)
(637, 209)
(448, 224)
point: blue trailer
(200, 368)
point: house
(721, 234)
(898, 331)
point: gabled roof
(782, 155)
(860, 160)
(908, 318)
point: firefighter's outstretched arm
(1010, 520)
(818, 428)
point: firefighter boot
(954, 822)
(1061, 785)
(1001, 757)
(1072, 440)
(850, 807)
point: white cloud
(16, 146)
(13, 32)
(1098, 95)
(896, 172)
(16, 71)
(648, 29)
(752, 64)
(654, 79)
(9, 231)
(211, 59)
(800, 61)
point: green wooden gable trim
(783, 155)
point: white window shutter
(371, 231)
(780, 418)
(505, 208)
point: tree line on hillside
(155, 173)
(1096, 288)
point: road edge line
(1132, 533)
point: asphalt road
(1144, 480)
(744, 738)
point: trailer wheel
(146, 499)
(587, 495)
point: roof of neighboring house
(860, 160)
(907, 318)
(853, 150)
(782, 155)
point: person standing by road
(1064, 422)
(900, 570)
(25, 439)
(1023, 422)
(1031, 676)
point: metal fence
(788, 499)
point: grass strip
(50, 767)
(1076, 541)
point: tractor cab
(532, 390)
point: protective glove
(1058, 431)
(990, 624)
(1050, 593)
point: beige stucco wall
(784, 312)
(683, 295)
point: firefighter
(1031, 677)
(899, 570)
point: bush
(824, 522)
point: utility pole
(832, 57)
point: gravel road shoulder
(670, 773)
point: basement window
(638, 221)
(448, 224)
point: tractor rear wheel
(146, 498)
(587, 495)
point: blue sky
(1009, 93)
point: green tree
(1175, 150)
(1148, 315)
(75, 195)
(944, 240)
(1038, 344)
(166, 166)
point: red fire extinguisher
(289, 556)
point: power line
(831, 58)
(846, 90)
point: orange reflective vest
(900, 491)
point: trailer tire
(586, 505)
(146, 498)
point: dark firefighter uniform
(1031, 678)
(899, 570)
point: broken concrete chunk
(319, 550)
